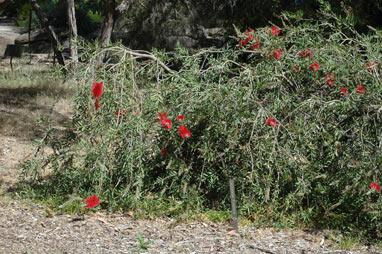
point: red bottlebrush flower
(330, 82)
(277, 54)
(97, 89)
(162, 116)
(271, 122)
(305, 53)
(92, 202)
(166, 123)
(314, 67)
(164, 151)
(249, 35)
(275, 30)
(242, 43)
(96, 104)
(180, 118)
(371, 66)
(360, 89)
(344, 91)
(184, 132)
(255, 45)
(375, 186)
(296, 68)
(330, 79)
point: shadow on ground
(21, 107)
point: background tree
(112, 13)
(72, 29)
(49, 30)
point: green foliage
(316, 163)
(87, 20)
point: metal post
(233, 204)
(10, 61)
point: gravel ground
(29, 228)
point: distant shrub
(87, 21)
(295, 120)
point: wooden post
(233, 204)
(13, 50)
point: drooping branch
(49, 30)
(112, 13)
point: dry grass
(30, 92)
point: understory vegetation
(291, 113)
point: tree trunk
(107, 28)
(111, 15)
(49, 30)
(72, 30)
(108, 24)
(29, 34)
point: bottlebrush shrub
(316, 158)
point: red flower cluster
(271, 122)
(371, 66)
(167, 124)
(375, 186)
(275, 30)
(305, 53)
(330, 79)
(344, 91)
(249, 39)
(97, 92)
(277, 54)
(184, 132)
(92, 202)
(162, 116)
(360, 89)
(96, 104)
(314, 67)
(296, 68)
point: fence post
(233, 204)
(13, 50)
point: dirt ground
(26, 227)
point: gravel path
(29, 228)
